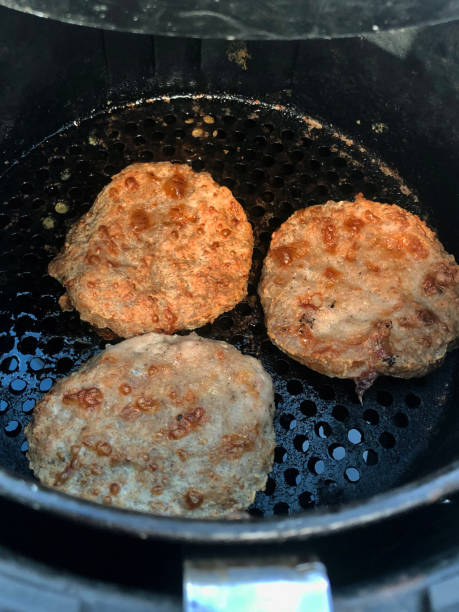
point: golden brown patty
(357, 289)
(162, 249)
(165, 424)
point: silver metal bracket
(281, 585)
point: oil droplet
(61, 207)
(48, 223)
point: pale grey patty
(165, 424)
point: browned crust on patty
(162, 249)
(166, 424)
(357, 289)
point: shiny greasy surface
(165, 424)
(359, 289)
(330, 449)
(163, 249)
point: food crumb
(199, 133)
(48, 222)
(61, 208)
(189, 120)
(237, 53)
(379, 128)
(65, 175)
(208, 119)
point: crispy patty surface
(358, 289)
(171, 425)
(162, 249)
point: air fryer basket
(277, 152)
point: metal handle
(248, 586)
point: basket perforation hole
(280, 454)
(197, 165)
(267, 161)
(387, 440)
(8, 365)
(243, 309)
(355, 436)
(28, 406)
(292, 477)
(277, 182)
(400, 420)
(412, 400)
(301, 443)
(36, 364)
(258, 211)
(337, 452)
(316, 466)
(340, 413)
(323, 429)
(370, 457)
(308, 408)
(258, 175)
(281, 508)
(12, 428)
(131, 127)
(287, 421)
(46, 384)
(352, 474)
(314, 165)
(371, 416)
(28, 345)
(267, 196)
(18, 385)
(306, 499)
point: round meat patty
(357, 289)
(165, 424)
(162, 249)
